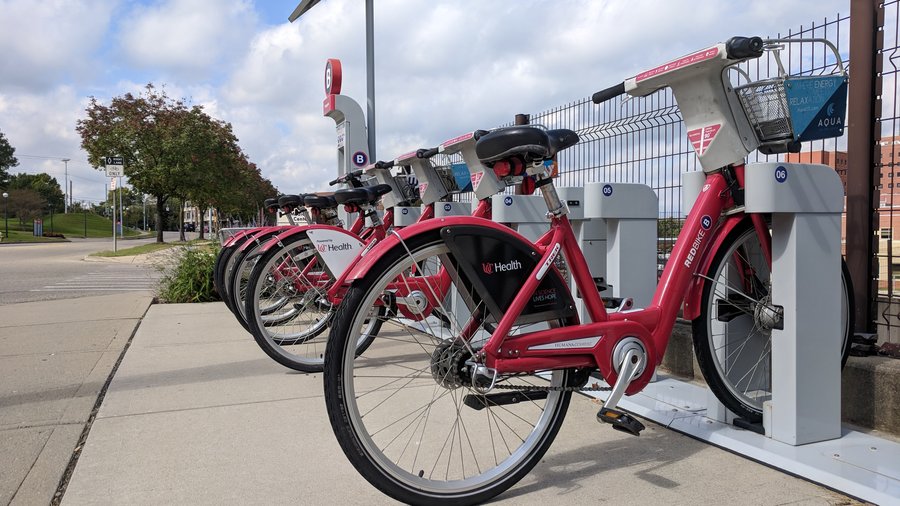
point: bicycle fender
(292, 231)
(692, 299)
(256, 234)
(373, 253)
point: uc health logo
(492, 267)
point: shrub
(54, 234)
(190, 278)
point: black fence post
(863, 151)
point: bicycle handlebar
(384, 165)
(738, 48)
(609, 93)
(427, 153)
(345, 178)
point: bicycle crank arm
(620, 420)
(479, 402)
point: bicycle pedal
(620, 420)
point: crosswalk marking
(109, 279)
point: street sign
(115, 166)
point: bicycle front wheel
(407, 412)
(733, 334)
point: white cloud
(46, 42)
(442, 66)
(44, 135)
(189, 38)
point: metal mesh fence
(887, 163)
(645, 141)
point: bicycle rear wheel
(732, 335)
(406, 412)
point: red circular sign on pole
(333, 77)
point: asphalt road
(49, 271)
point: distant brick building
(888, 198)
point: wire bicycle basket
(408, 187)
(793, 109)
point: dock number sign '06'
(115, 166)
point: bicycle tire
(372, 449)
(740, 387)
(219, 270)
(241, 264)
(289, 337)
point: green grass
(148, 248)
(70, 225)
(20, 236)
(137, 250)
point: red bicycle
(458, 411)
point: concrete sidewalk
(55, 358)
(197, 414)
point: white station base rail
(445, 209)
(615, 224)
(526, 214)
(806, 203)
(806, 382)
(630, 212)
(406, 216)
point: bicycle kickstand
(619, 419)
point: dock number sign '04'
(115, 166)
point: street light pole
(6, 213)
(302, 8)
(66, 191)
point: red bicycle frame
(700, 237)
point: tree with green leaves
(26, 204)
(148, 131)
(7, 160)
(44, 184)
(170, 150)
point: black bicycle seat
(270, 204)
(319, 201)
(290, 201)
(379, 190)
(357, 196)
(529, 143)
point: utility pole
(67, 191)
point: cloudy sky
(443, 67)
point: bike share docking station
(801, 431)
(615, 224)
(350, 126)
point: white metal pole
(66, 199)
(121, 211)
(370, 77)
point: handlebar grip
(738, 48)
(346, 177)
(384, 165)
(427, 153)
(609, 93)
